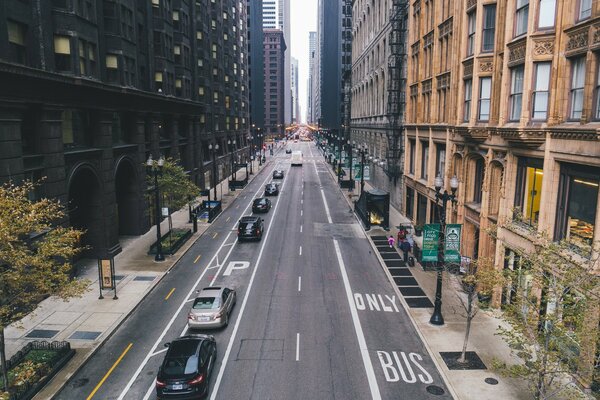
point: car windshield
(206, 303)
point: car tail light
(197, 380)
(160, 384)
(258, 231)
(218, 315)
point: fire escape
(396, 87)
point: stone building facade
(505, 95)
(91, 89)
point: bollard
(195, 221)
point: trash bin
(411, 261)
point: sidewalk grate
(395, 263)
(378, 237)
(42, 334)
(119, 277)
(419, 302)
(144, 278)
(84, 335)
(472, 360)
(412, 291)
(391, 256)
(406, 282)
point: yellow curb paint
(109, 372)
(197, 258)
(170, 293)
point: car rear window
(206, 303)
(178, 366)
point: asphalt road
(316, 317)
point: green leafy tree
(553, 291)
(32, 270)
(175, 185)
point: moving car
(211, 308)
(288, 151)
(261, 204)
(250, 228)
(186, 368)
(272, 189)
(297, 158)
(278, 174)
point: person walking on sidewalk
(405, 247)
(391, 241)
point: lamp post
(213, 149)
(436, 317)
(339, 164)
(362, 150)
(231, 144)
(260, 138)
(250, 144)
(350, 150)
(155, 168)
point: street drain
(436, 390)
(491, 381)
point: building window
(516, 93)
(421, 210)
(521, 17)
(410, 201)
(440, 160)
(424, 159)
(158, 81)
(471, 33)
(76, 129)
(577, 204)
(485, 92)
(547, 14)
(16, 42)
(489, 28)
(577, 83)
(585, 9)
(467, 102)
(112, 68)
(411, 165)
(62, 54)
(478, 180)
(541, 91)
(530, 175)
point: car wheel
(226, 319)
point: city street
(300, 329)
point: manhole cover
(491, 381)
(438, 391)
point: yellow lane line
(109, 372)
(197, 258)
(215, 235)
(170, 293)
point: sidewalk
(86, 322)
(463, 384)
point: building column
(11, 149)
(52, 148)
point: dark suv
(250, 228)
(186, 368)
(271, 189)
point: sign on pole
(452, 243)
(430, 242)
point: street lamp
(436, 317)
(156, 168)
(350, 149)
(339, 165)
(231, 144)
(362, 150)
(250, 141)
(213, 149)
(260, 136)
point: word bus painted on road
(375, 302)
(398, 365)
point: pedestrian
(391, 241)
(405, 247)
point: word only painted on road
(234, 265)
(398, 365)
(375, 302)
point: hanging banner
(452, 243)
(430, 242)
(357, 172)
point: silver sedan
(211, 308)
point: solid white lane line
(172, 320)
(326, 207)
(300, 250)
(297, 346)
(364, 351)
(299, 283)
(215, 390)
(151, 390)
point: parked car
(250, 228)
(272, 189)
(261, 205)
(288, 151)
(211, 308)
(278, 174)
(186, 368)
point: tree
(552, 293)
(175, 185)
(32, 269)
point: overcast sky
(303, 19)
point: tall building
(316, 84)
(312, 50)
(506, 98)
(256, 64)
(377, 105)
(92, 89)
(274, 56)
(295, 100)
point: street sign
(430, 242)
(357, 171)
(452, 243)
(165, 211)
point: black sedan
(186, 368)
(288, 151)
(261, 205)
(278, 174)
(272, 189)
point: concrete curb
(47, 392)
(439, 366)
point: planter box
(184, 235)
